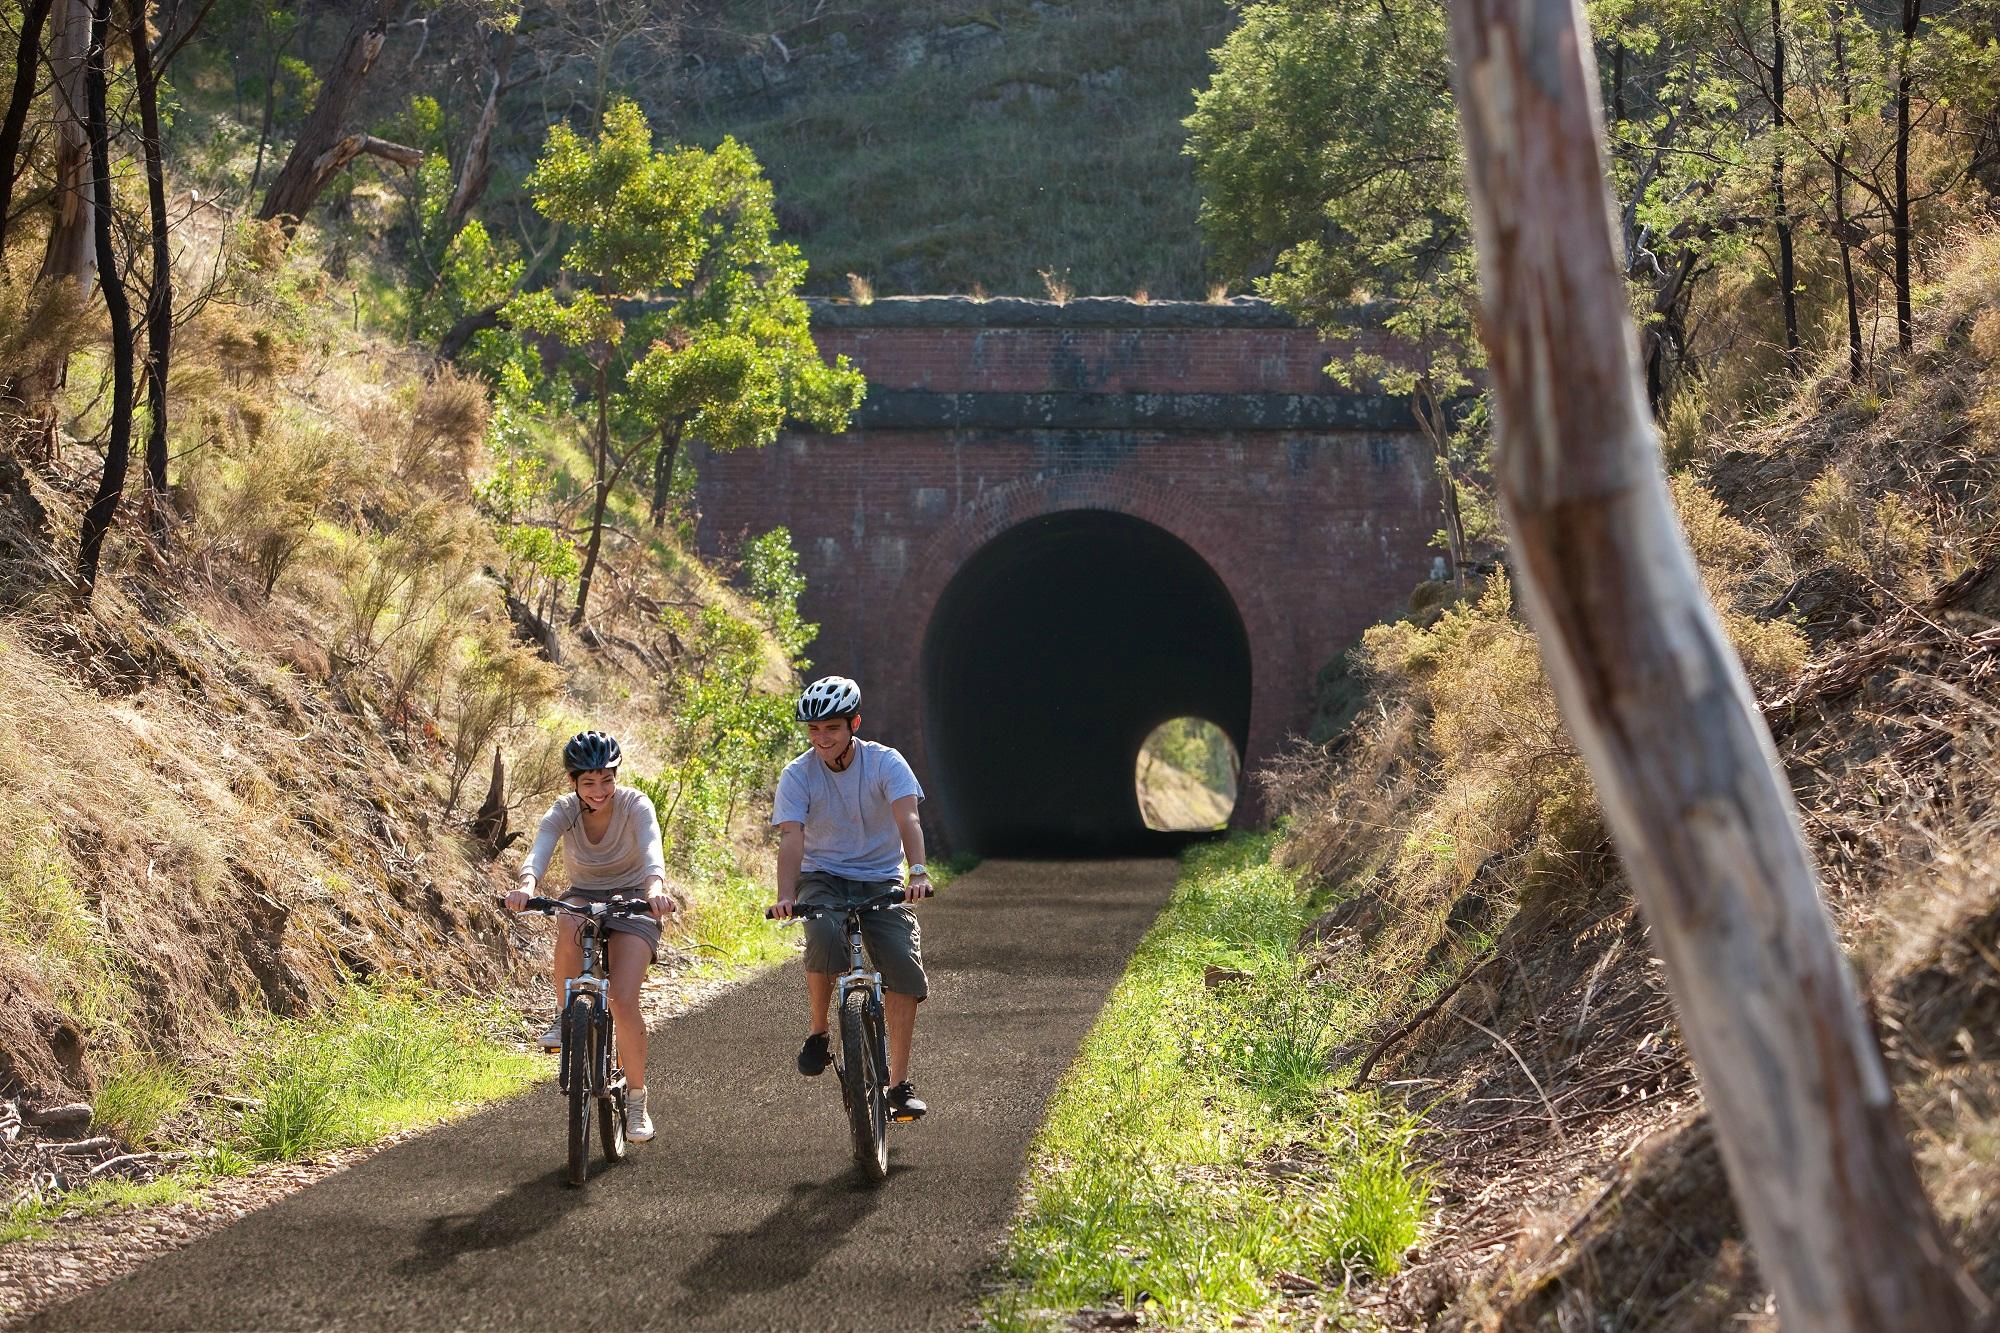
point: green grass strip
(378, 1061)
(1198, 1148)
(381, 1061)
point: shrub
(445, 426)
(497, 686)
(262, 496)
(1880, 537)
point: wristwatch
(918, 869)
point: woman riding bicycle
(610, 838)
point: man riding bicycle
(610, 837)
(846, 814)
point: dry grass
(1848, 538)
(232, 784)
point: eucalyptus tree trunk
(72, 246)
(475, 170)
(1842, 226)
(321, 149)
(663, 473)
(103, 509)
(1781, 219)
(160, 296)
(606, 465)
(27, 73)
(1654, 696)
(1899, 209)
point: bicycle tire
(578, 1032)
(611, 1106)
(867, 1100)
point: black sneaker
(815, 1055)
(904, 1104)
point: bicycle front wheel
(611, 1106)
(867, 1095)
(580, 1064)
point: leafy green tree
(732, 714)
(1328, 158)
(680, 310)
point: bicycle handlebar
(881, 904)
(616, 907)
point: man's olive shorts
(892, 938)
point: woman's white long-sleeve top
(629, 852)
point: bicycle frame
(859, 976)
(606, 1078)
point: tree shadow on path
(520, 1214)
(780, 1250)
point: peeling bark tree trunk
(27, 72)
(118, 453)
(1653, 694)
(322, 169)
(303, 175)
(160, 297)
(610, 466)
(72, 248)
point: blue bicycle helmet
(589, 750)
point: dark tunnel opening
(1051, 656)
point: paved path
(745, 1213)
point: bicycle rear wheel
(611, 1106)
(867, 1096)
(581, 1068)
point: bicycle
(863, 1061)
(588, 1071)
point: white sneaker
(551, 1041)
(638, 1124)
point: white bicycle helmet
(829, 697)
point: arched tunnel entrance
(1050, 657)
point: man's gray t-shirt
(850, 830)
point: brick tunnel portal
(1052, 654)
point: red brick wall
(1314, 535)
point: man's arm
(912, 829)
(791, 855)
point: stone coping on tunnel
(1333, 411)
(1020, 312)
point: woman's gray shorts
(893, 939)
(644, 927)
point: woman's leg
(630, 957)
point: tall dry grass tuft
(447, 425)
